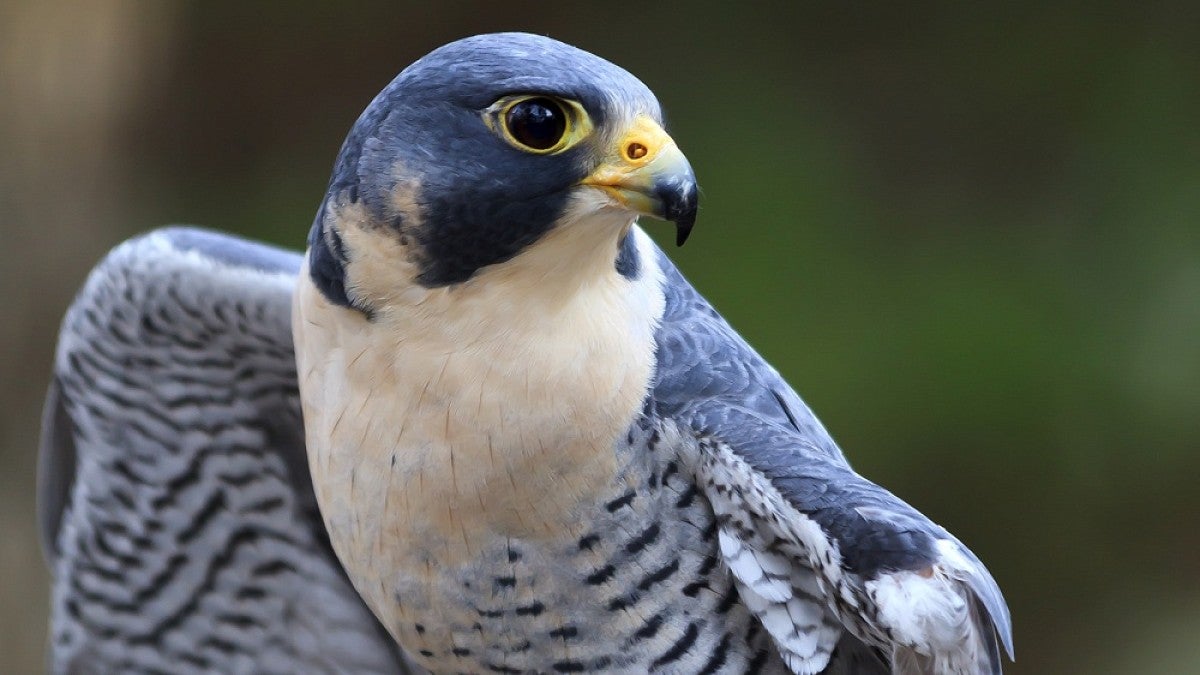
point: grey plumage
(638, 589)
(176, 506)
(762, 433)
(150, 347)
(706, 521)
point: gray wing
(843, 574)
(175, 502)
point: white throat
(488, 409)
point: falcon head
(508, 150)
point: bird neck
(501, 397)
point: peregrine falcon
(531, 445)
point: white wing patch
(774, 583)
(802, 630)
(934, 618)
(789, 574)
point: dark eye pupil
(538, 123)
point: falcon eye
(536, 123)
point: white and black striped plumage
(177, 512)
(535, 447)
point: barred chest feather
(637, 587)
(476, 469)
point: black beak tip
(679, 206)
(682, 231)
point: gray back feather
(785, 495)
(175, 501)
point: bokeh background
(969, 236)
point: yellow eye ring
(538, 124)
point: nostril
(635, 150)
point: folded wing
(844, 575)
(175, 502)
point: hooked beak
(647, 173)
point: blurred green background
(968, 235)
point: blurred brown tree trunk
(69, 73)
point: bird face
(477, 152)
